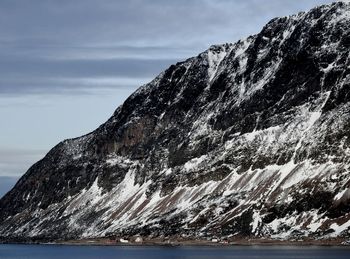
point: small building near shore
(122, 240)
(138, 239)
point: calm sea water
(239, 252)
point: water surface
(156, 252)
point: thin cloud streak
(68, 85)
(14, 162)
(94, 52)
(76, 76)
(6, 183)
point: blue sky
(66, 65)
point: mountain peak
(246, 139)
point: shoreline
(336, 242)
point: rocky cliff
(248, 139)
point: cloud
(69, 40)
(138, 21)
(42, 76)
(14, 162)
(6, 183)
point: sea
(179, 252)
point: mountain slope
(247, 139)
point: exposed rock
(248, 139)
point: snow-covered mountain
(249, 139)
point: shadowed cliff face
(250, 138)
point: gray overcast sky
(66, 65)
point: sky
(65, 66)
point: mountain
(246, 139)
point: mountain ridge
(248, 139)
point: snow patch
(256, 221)
(338, 229)
(340, 194)
(214, 60)
(194, 163)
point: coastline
(174, 241)
(343, 242)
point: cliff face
(250, 138)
